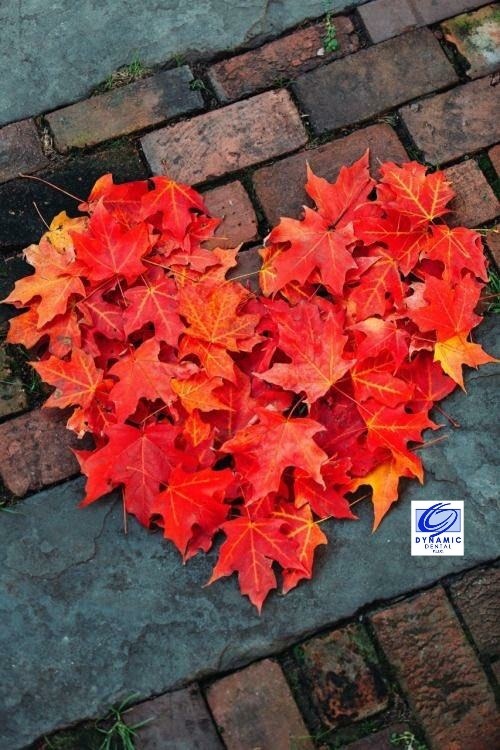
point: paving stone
(477, 596)
(12, 269)
(343, 672)
(373, 80)
(231, 203)
(475, 202)
(175, 721)
(20, 224)
(282, 59)
(125, 110)
(20, 149)
(280, 186)
(254, 708)
(477, 37)
(387, 18)
(226, 140)
(380, 740)
(455, 123)
(12, 396)
(35, 450)
(247, 269)
(439, 672)
(89, 615)
(493, 242)
(83, 43)
(494, 154)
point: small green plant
(494, 288)
(407, 741)
(134, 71)
(330, 41)
(119, 735)
(197, 85)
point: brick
(380, 740)
(20, 150)
(125, 110)
(282, 59)
(384, 19)
(12, 395)
(494, 154)
(247, 269)
(344, 675)
(373, 80)
(231, 203)
(35, 450)
(280, 186)
(477, 37)
(477, 596)
(475, 202)
(226, 140)
(176, 720)
(439, 672)
(455, 123)
(20, 224)
(493, 242)
(254, 709)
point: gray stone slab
(89, 615)
(55, 53)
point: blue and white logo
(437, 528)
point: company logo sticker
(437, 528)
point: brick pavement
(243, 128)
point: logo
(437, 528)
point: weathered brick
(19, 222)
(125, 110)
(226, 140)
(254, 708)
(477, 596)
(280, 186)
(343, 672)
(374, 80)
(282, 59)
(439, 672)
(477, 38)
(176, 720)
(35, 450)
(455, 123)
(475, 202)
(494, 154)
(20, 149)
(493, 242)
(232, 204)
(387, 18)
(247, 270)
(12, 395)
(382, 740)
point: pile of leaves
(256, 415)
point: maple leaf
(458, 249)
(404, 241)
(141, 374)
(251, 547)
(292, 445)
(316, 355)
(414, 193)
(192, 500)
(154, 301)
(337, 202)
(457, 351)
(108, 250)
(63, 331)
(300, 527)
(372, 378)
(329, 500)
(140, 459)
(313, 245)
(384, 481)
(197, 392)
(379, 287)
(174, 201)
(75, 380)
